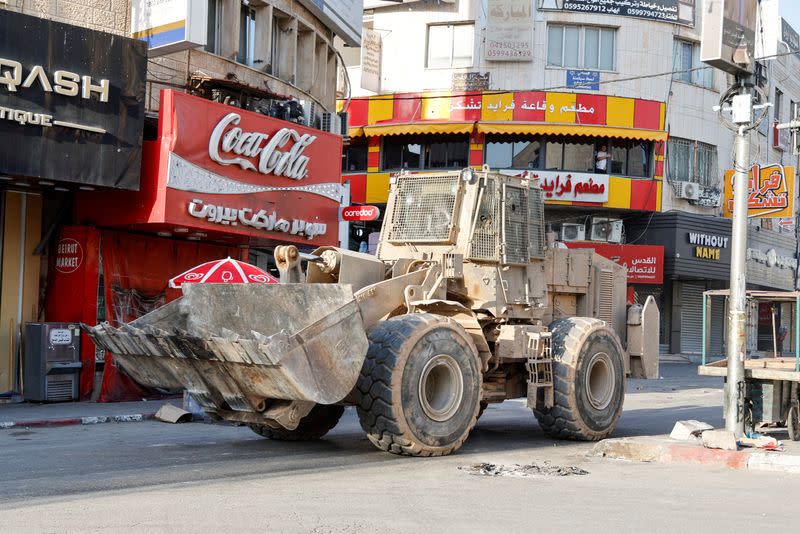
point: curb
(89, 420)
(670, 452)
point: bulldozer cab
(483, 217)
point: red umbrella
(227, 271)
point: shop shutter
(717, 329)
(692, 317)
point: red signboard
(360, 213)
(645, 263)
(217, 169)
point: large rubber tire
(589, 376)
(319, 421)
(408, 396)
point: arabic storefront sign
(771, 194)
(71, 102)
(583, 79)
(501, 106)
(371, 46)
(469, 81)
(645, 263)
(707, 246)
(573, 186)
(675, 11)
(236, 174)
(509, 30)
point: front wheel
(419, 390)
(318, 422)
(589, 380)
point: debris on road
(517, 470)
(685, 430)
(760, 441)
(172, 414)
(719, 439)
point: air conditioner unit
(607, 230)
(687, 190)
(309, 112)
(572, 232)
(330, 122)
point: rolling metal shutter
(717, 330)
(692, 317)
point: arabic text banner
(645, 263)
(770, 193)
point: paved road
(204, 478)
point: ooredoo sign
(360, 213)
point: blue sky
(790, 10)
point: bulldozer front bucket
(234, 345)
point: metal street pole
(737, 312)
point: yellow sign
(770, 195)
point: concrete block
(719, 439)
(685, 430)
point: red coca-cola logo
(360, 213)
(69, 256)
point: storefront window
(513, 153)
(418, 152)
(576, 153)
(354, 157)
(631, 157)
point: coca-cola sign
(279, 155)
(360, 213)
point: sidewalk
(78, 413)
(662, 449)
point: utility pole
(742, 110)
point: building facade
(576, 96)
(94, 226)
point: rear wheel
(419, 389)
(589, 376)
(319, 421)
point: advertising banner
(509, 30)
(170, 25)
(71, 103)
(371, 61)
(645, 263)
(675, 11)
(241, 172)
(771, 192)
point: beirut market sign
(574, 187)
(290, 162)
(260, 220)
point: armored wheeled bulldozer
(463, 305)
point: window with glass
(585, 47)
(450, 45)
(354, 156)
(425, 152)
(247, 35)
(687, 66)
(212, 27)
(778, 104)
(631, 157)
(692, 161)
(569, 153)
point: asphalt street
(198, 477)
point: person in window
(601, 159)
